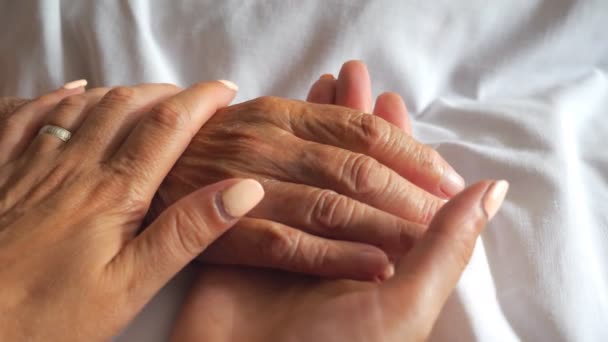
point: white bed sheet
(505, 89)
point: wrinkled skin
(72, 267)
(237, 304)
(328, 171)
(346, 190)
(240, 304)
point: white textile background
(513, 89)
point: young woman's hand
(239, 304)
(72, 267)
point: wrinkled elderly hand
(291, 307)
(345, 190)
(71, 265)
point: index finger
(153, 147)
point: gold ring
(56, 131)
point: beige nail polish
(327, 77)
(229, 84)
(241, 197)
(494, 197)
(75, 84)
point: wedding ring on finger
(56, 131)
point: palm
(277, 306)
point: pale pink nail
(75, 84)
(229, 84)
(388, 273)
(494, 197)
(451, 182)
(241, 197)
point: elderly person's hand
(71, 265)
(275, 306)
(345, 190)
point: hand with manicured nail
(72, 266)
(345, 190)
(237, 304)
(402, 309)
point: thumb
(427, 275)
(183, 231)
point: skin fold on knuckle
(363, 175)
(120, 96)
(170, 115)
(278, 246)
(44, 101)
(71, 103)
(428, 206)
(191, 232)
(331, 211)
(374, 133)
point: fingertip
(387, 273)
(353, 65)
(323, 91)
(494, 197)
(82, 83)
(472, 208)
(391, 107)
(229, 84)
(353, 88)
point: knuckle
(374, 132)
(189, 230)
(266, 101)
(120, 95)
(136, 205)
(278, 245)
(170, 115)
(266, 105)
(362, 173)
(9, 105)
(72, 102)
(44, 101)
(331, 210)
(97, 92)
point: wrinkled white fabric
(513, 89)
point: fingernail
(75, 84)
(388, 273)
(241, 197)
(451, 183)
(327, 77)
(229, 84)
(494, 197)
